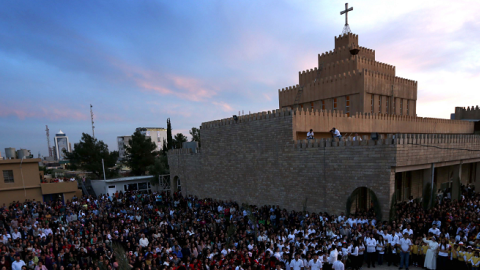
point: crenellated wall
(469, 113)
(353, 63)
(324, 121)
(361, 82)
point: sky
(141, 62)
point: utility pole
(91, 116)
(48, 141)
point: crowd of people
(133, 230)
(58, 180)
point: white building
(156, 134)
(122, 142)
(61, 143)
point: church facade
(263, 158)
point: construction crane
(48, 141)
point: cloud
(223, 105)
(41, 112)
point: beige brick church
(264, 158)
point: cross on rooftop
(346, 28)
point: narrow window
(380, 104)
(335, 103)
(311, 105)
(401, 106)
(387, 104)
(347, 105)
(408, 108)
(371, 104)
(323, 104)
(394, 107)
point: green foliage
(350, 200)
(376, 204)
(159, 167)
(169, 135)
(120, 257)
(195, 132)
(87, 155)
(164, 148)
(179, 139)
(140, 154)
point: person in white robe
(431, 256)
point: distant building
(24, 153)
(122, 142)
(156, 134)
(10, 153)
(61, 144)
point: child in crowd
(475, 260)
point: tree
(169, 134)
(140, 154)
(195, 132)
(164, 148)
(159, 167)
(87, 155)
(178, 140)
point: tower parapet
(468, 113)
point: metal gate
(164, 184)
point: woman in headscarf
(431, 256)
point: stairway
(87, 188)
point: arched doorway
(363, 200)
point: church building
(387, 153)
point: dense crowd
(155, 231)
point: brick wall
(256, 161)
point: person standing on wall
(336, 133)
(310, 135)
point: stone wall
(436, 148)
(256, 161)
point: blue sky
(140, 62)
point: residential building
(21, 180)
(156, 134)
(122, 142)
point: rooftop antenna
(346, 28)
(48, 141)
(91, 116)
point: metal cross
(346, 13)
